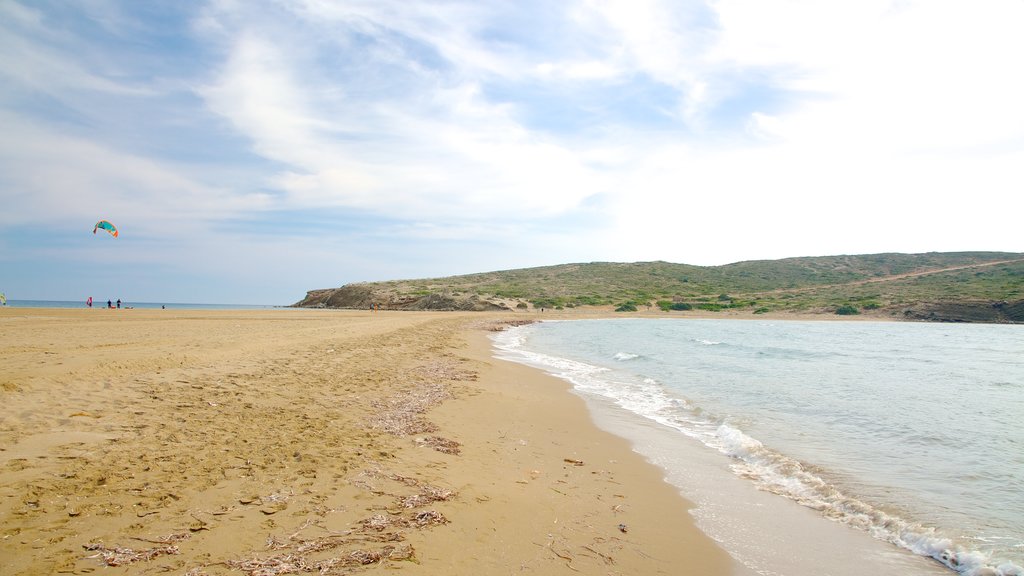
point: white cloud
(907, 75)
(257, 91)
(518, 133)
(786, 200)
(664, 40)
(904, 134)
(434, 149)
(34, 58)
(60, 178)
(578, 70)
(878, 105)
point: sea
(124, 304)
(820, 447)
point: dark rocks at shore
(365, 297)
(1001, 312)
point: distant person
(118, 302)
(162, 307)
(110, 304)
(89, 302)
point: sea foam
(769, 469)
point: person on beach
(109, 304)
(89, 302)
(118, 302)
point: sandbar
(320, 441)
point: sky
(251, 150)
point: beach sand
(278, 441)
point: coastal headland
(979, 287)
(323, 441)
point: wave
(769, 469)
(779, 474)
(623, 356)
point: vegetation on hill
(880, 283)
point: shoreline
(227, 442)
(764, 533)
(583, 312)
(595, 505)
(768, 533)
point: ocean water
(908, 434)
(150, 305)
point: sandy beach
(288, 441)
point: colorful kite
(105, 226)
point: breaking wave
(769, 469)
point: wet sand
(282, 441)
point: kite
(105, 226)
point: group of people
(110, 304)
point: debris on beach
(428, 518)
(121, 556)
(427, 494)
(292, 553)
(443, 445)
(275, 502)
(401, 415)
(445, 369)
(284, 564)
(422, 519)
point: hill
(949, 286)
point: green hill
(981, 286)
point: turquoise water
(910, 432)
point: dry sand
(271, 442)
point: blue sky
(252, 150)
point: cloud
(65, 178)
(907, 75)
(433, 147)
(377, 139)
(899, 132)
(34, 58)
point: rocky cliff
(365, 296)
(988, 312)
